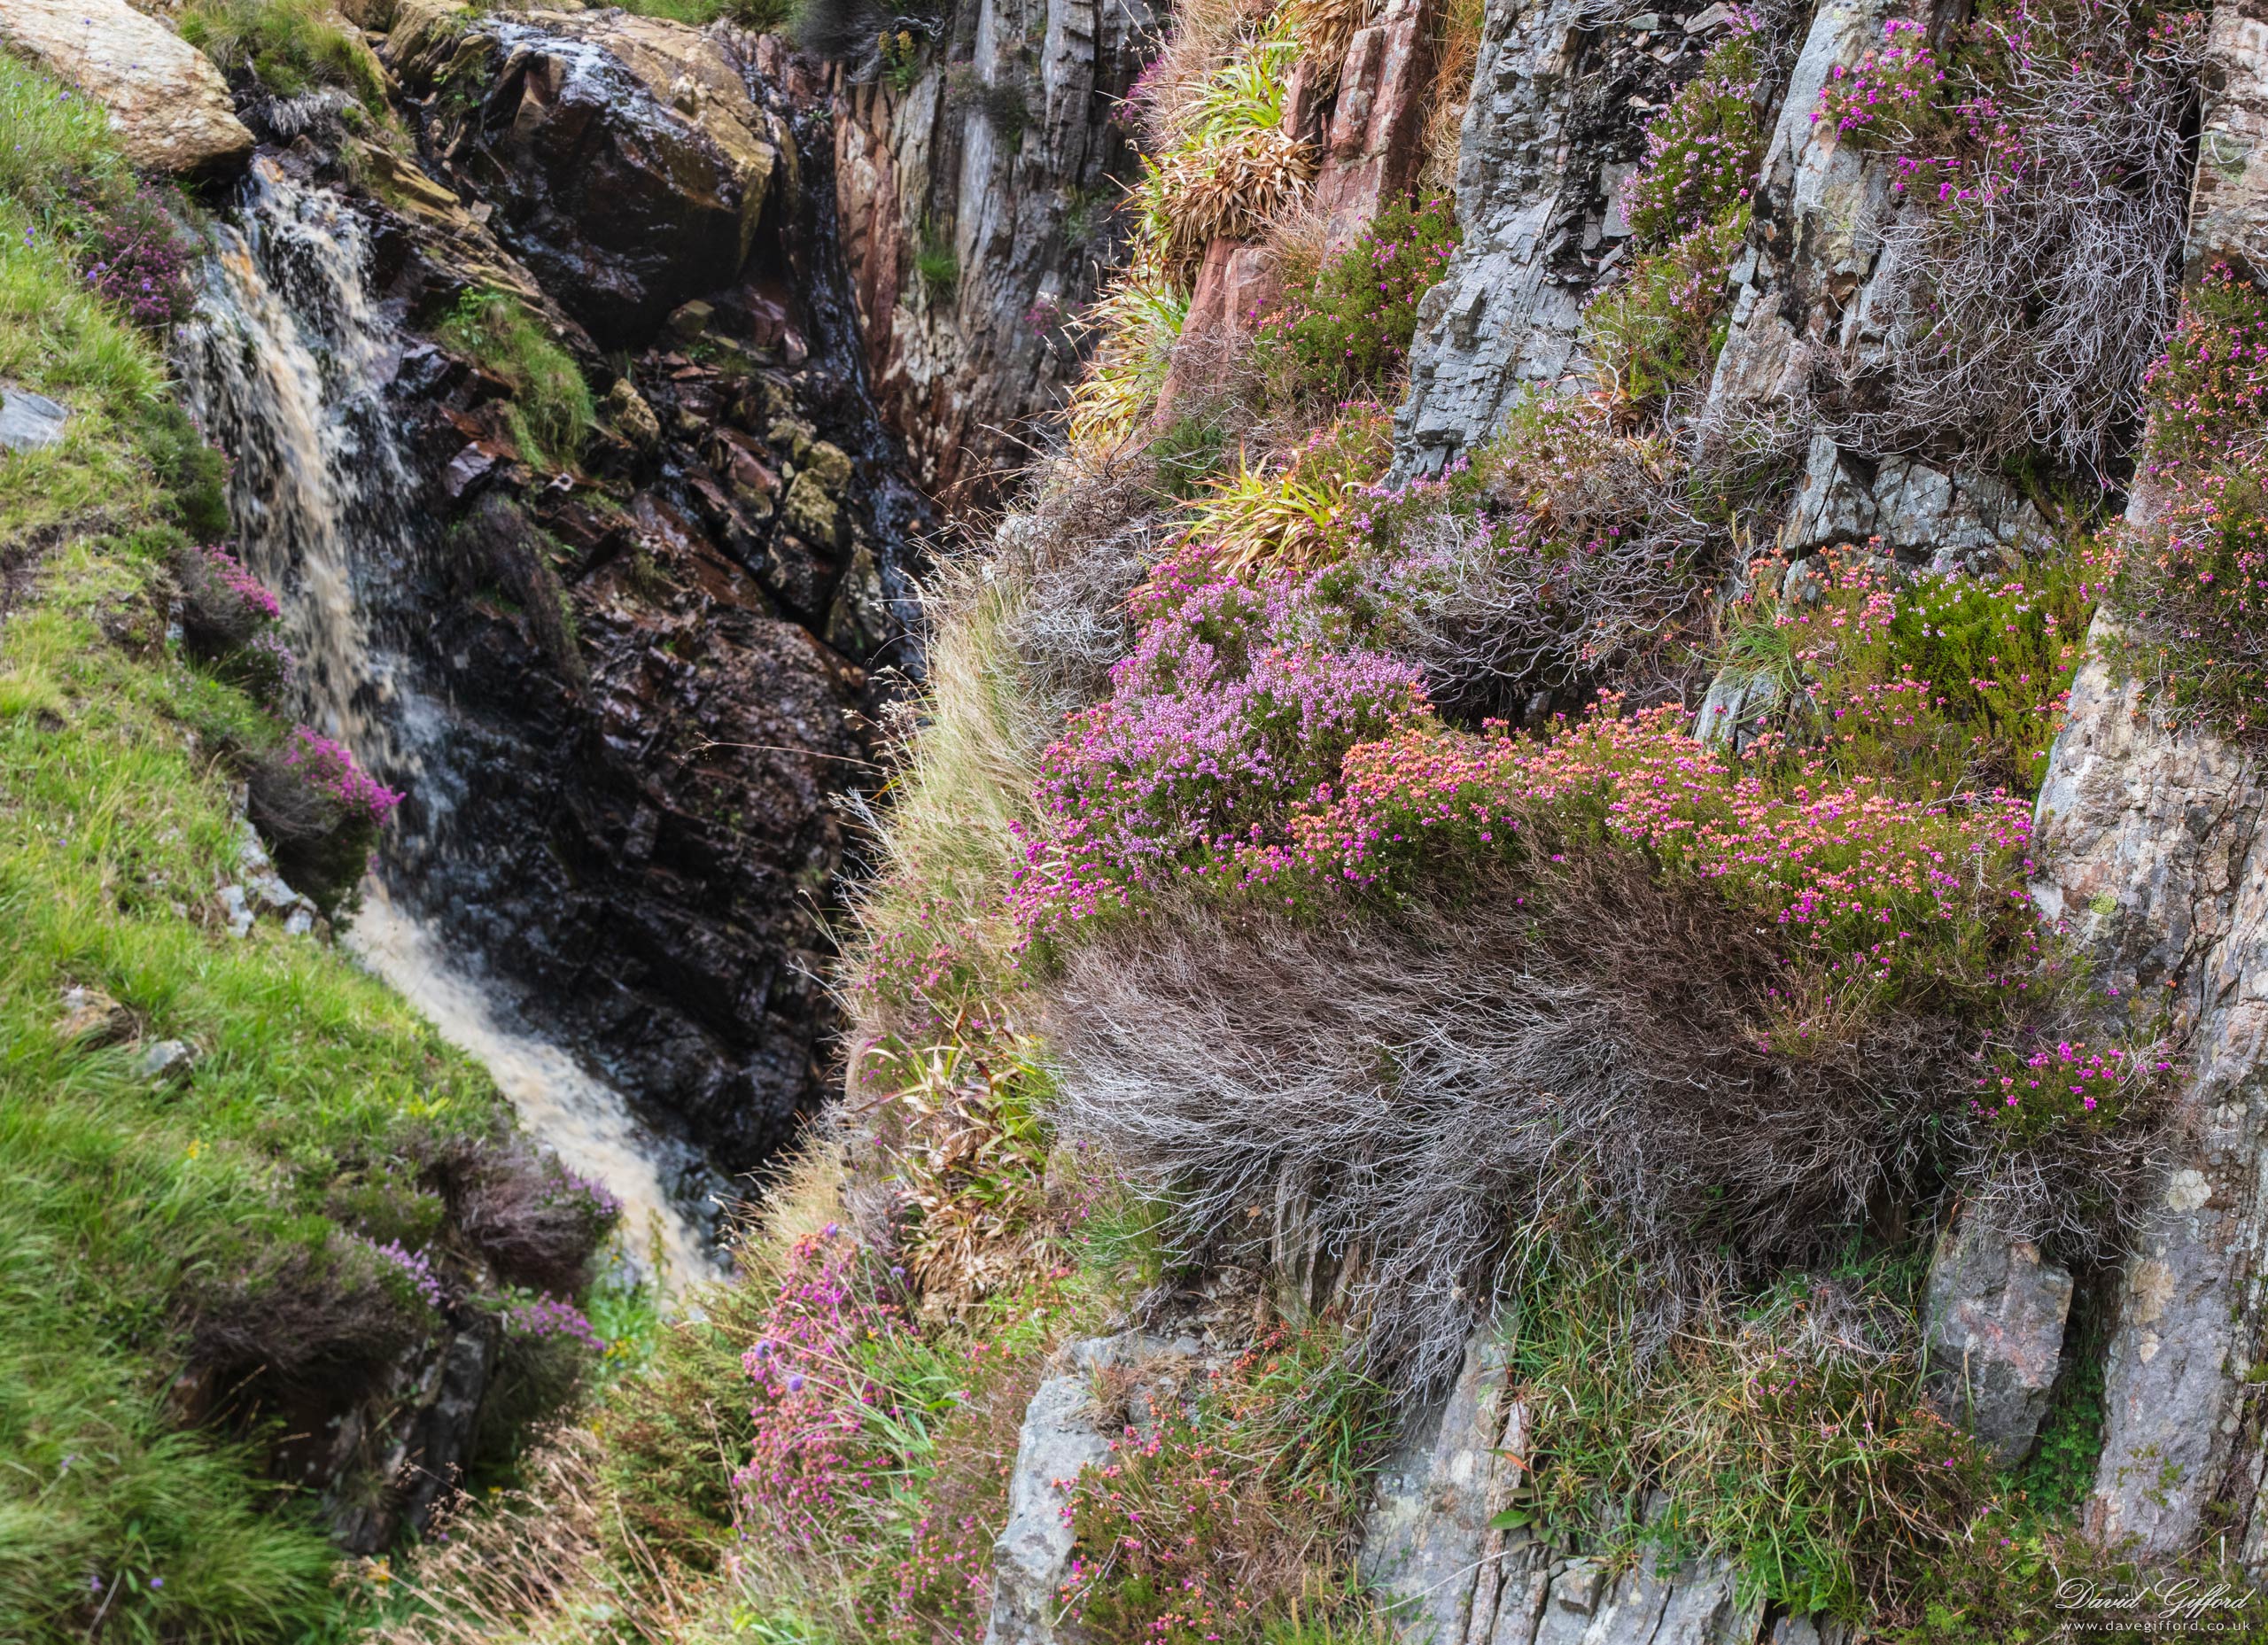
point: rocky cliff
(980, 198)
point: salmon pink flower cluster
(1838, 861)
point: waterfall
(286, 366)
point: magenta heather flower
(329, 766)
(415, 1268)
(1234, 705)
(547, 1316)
(258, 600)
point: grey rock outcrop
(1499, 320)
(1994, 1324)
(1543, 154)
(168, 104)
(29, 421)
(2156, 855)
(1062, 1433)
(1449, 1576)
(1010, 160)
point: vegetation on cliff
(247, 1187)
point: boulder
(168, 104)
(628, 163)
(29, 421)
(1994, 1324)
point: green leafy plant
(552, 409)
(292, 45)
(1352, 330)
(1659, 330)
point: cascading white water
(286, 366)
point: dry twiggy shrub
(2023, 309)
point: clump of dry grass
(1225, 189)
(532, 1562)
(1325, 29)
(1455, 55)
(1205, 34)
(1578, 1044)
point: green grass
(293, 46)
(122, 1201)
(552, 410)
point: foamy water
(583, 1119)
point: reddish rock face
(1010, 165)
(1376, 144)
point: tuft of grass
(552, 406)
(292, 46)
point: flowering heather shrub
(1952, 682)
(1352, 330)
(133, 256)
(257, 599)
(2194, 597)
(543, 1315)
(1234, 706)
(2024, 309)
(1659, 330)
(2209, 390)
(1701, 152)
(1879, 886)
(1215, 1514)
(415, 1268)
(2065, 1082)
(2193, 593)
(230, 618)
(329, 766)
(812, 1457)
(1889, 96)
(536, 1221)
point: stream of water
(286, 365)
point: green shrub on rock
(552, 409)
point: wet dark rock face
(655, 677)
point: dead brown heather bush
(2025, 313)
(1580, 1048)
(301, 1319)
(519, 1210)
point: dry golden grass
(1227, 189)
(1325, 29)
(1455, 52)
(1206, 34)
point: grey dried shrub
(2023, 314)
(1435, 1093)
(1439, 1086)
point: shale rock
(1557, 116)
(168, 104)
(1025, 212)
(1994, 1323)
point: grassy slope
(119, 1197)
